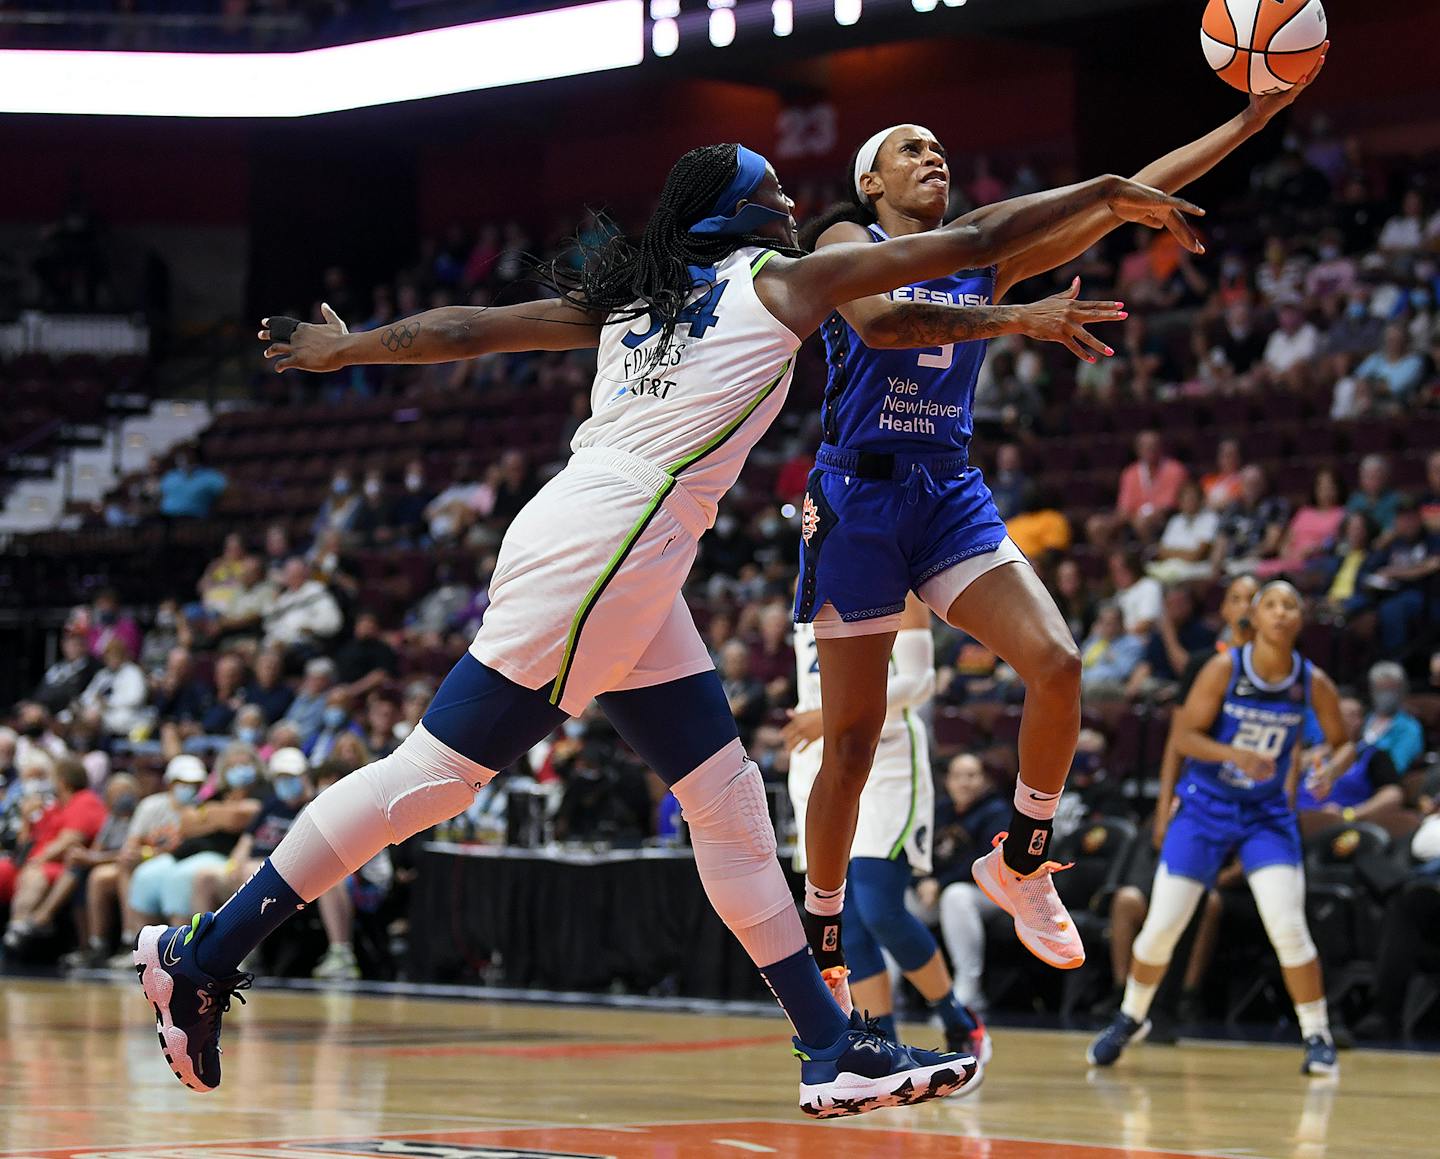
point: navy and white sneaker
(864, 1070)
(1112, 1041)
(188, 1002)
(1320, 1059)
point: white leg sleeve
(725, 807)
(1280, 897)
(962, 925)
(420, 784)
(1172, 904)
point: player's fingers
(1076, 349)
(278, 350)
(333, 318)
(1095, 344)
(1319, 64)
(1074, 290)
(1186, 236)
(1100, 311)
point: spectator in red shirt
(1149, 492)
(794, 473)
(72, 822)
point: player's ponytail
(632, 278)
(851, 208)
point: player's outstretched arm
(885, 324)
(801, 292)
(448, 334)
(1171, 173)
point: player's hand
(802, 729)
(1063, 317)
(1321, 779)
(1253, 765)
(312, 346)
(1132, 201)
(927, 891)
(1263, 106)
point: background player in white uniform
(893, 833)
(697, 323)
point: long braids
(850, 208)
(630, 279)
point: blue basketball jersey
(1264, 718)
(905, 401)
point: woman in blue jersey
(1240, 733)
(894, 505)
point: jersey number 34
(700, 316)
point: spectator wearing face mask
(307, 710)
(290, 790)
(67, 677)
(407, 510)
(341, 509)
(153, 829)
(1389, 727)
(335, 722)
(72, 820)
(163, 887)
(81, 860)
(104, 621)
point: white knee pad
(420, 784)
(724, 805)
(1280, 897)
(1172, 904)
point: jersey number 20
(1265, 739)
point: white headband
(865, 159)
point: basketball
(1263, 46)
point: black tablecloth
(574, 921)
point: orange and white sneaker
(838, 979)
(1042, 922)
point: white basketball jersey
(807, 684)
(697, 411)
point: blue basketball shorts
(866, 541)
(1209, 827)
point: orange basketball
(1262, 46)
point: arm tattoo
(915, 324)
(400, 337)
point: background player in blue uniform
(1240, 732)
(894, 505)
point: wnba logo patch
(809, 518)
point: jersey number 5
(699, 316)
(940, 360)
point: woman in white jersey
(893, 834)
(697, 323)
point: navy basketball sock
(955, 1017)
(796, 983)
(258, 908)
(886, 1023)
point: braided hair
(633, 278)
(852, 208)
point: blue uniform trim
(487, 717)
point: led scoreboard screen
(689, 25)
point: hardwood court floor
(310, 1075)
